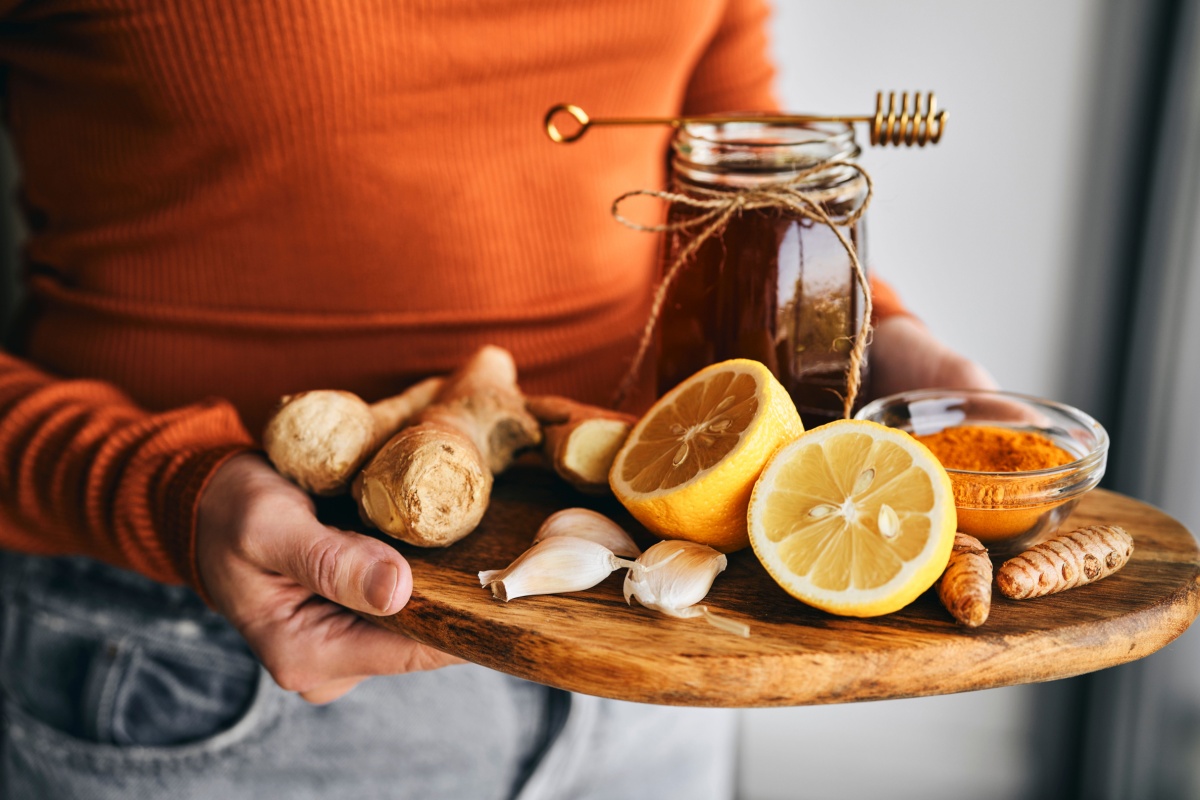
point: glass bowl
(1007, 511)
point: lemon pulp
(689, 465)
(854, 518)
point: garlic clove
(552, 566)
(587, 524)
(672, 576)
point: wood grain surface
(592, 642)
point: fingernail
(380, 584)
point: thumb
(348, 568)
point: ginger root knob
(429, 487)
(319, 439)
(430, 484)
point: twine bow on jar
(718, 207)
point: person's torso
(247, 198)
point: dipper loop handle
(915, 120)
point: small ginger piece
(580, 440)
(1065, 561)
(965, 587)
(430, 484)
(319, 439)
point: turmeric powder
(988, 448)
(995, 509)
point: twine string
(718, 208)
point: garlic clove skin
(717, 621)
(584, 523)
(673, 576)
(552, 566)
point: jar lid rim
(769, 146)
(759, 151)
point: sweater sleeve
(885, 302)
(84, 470)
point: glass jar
(773, 284)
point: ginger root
(319, 439)
(429, 485)
(581, 440)
(965, 587)
(1065, 561)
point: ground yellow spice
(989, 448)
(996, 510)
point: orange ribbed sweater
(228, 202)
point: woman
(230, 202)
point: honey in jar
(773, 284)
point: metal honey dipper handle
(907, 123)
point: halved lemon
(854, 518)
(690, 463)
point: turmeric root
(429, 485)
(965, 587)
(580, 441)
(1065, 561)
(319, 439)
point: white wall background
(975, 232)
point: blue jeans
(114, 686)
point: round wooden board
(592, 642)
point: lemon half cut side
(853, 518)
(689, 465)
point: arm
(905, 355)
(83, 470)
(178, 497)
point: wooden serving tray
(592, 642)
